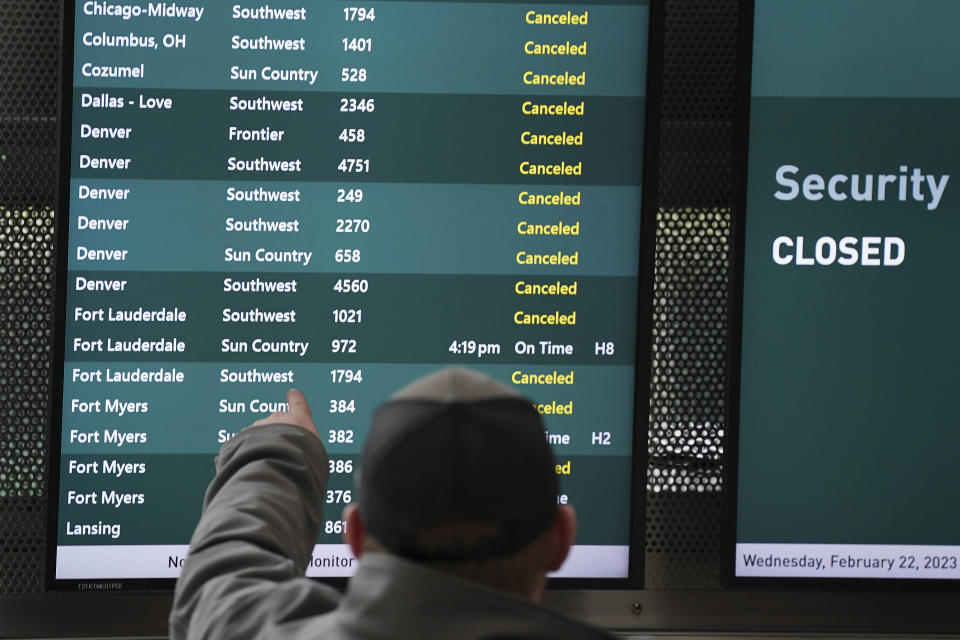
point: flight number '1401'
(358, 44)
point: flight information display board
(847, 432)
(341, 197)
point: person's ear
(562, 533)
(354, 534)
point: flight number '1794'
(359, 14)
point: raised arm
(244, 575)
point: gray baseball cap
(456, 448)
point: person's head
(456, 474)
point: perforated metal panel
(29, 51)
(684, 505)
(690, 316)
(692, 267)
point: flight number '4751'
(354, 165)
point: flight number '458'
(353, 135)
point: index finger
(297, 402)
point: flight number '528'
(353, 74)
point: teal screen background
(848, 426)
(437, 238)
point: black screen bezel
(650, 175)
